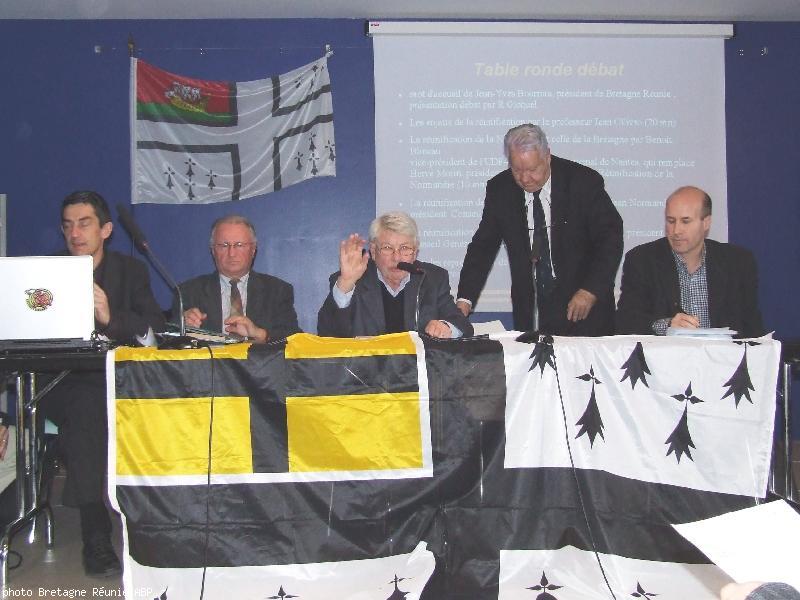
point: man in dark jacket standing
(563, 236)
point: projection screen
(642, 104)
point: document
(707, 333)
(753, 544)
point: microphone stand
(536, 244)
(416, 306)
(413, 269)
(182, 341)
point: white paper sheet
(753, 544)
(488, 328)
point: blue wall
(762, 100)
(64, 126)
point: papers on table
(203, 335)
(753, 544)
(709, 333)
(488, 328)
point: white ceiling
(616, 10)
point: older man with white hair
(387, 290)
(562, 234)
(235, 298)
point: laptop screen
(46, 298)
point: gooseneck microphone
(133, 229)
(139, 240)
(414, 268)
(410, 267)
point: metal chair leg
(4, 541)
(787, 431)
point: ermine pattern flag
(400, 467)
(196, 142)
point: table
(24, 366)
(476, 468)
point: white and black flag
(196, 142)
(398, 467)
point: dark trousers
(78, 406)
(8, 504)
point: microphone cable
(208, 475)
(577, 480)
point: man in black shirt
(126, 312)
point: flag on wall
(395, 467)
(197, 142)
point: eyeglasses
(389, 250)
(225, 246)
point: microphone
(132, 228)
(537, 243)
(410, 267)
(139, 240)
(414, 268)
(534, 336)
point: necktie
(544, 269)
(236, 299)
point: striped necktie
(236, 299)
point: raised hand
(352, 262)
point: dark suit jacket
(78, 403)
(270, 303)
(586, 241)
(126, 282)
(365, 316)
(651, 290)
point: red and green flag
(167, 97)
(195, 141)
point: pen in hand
(683, 318)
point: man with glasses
(235, 299)
(371, 294)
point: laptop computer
(46, 301)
